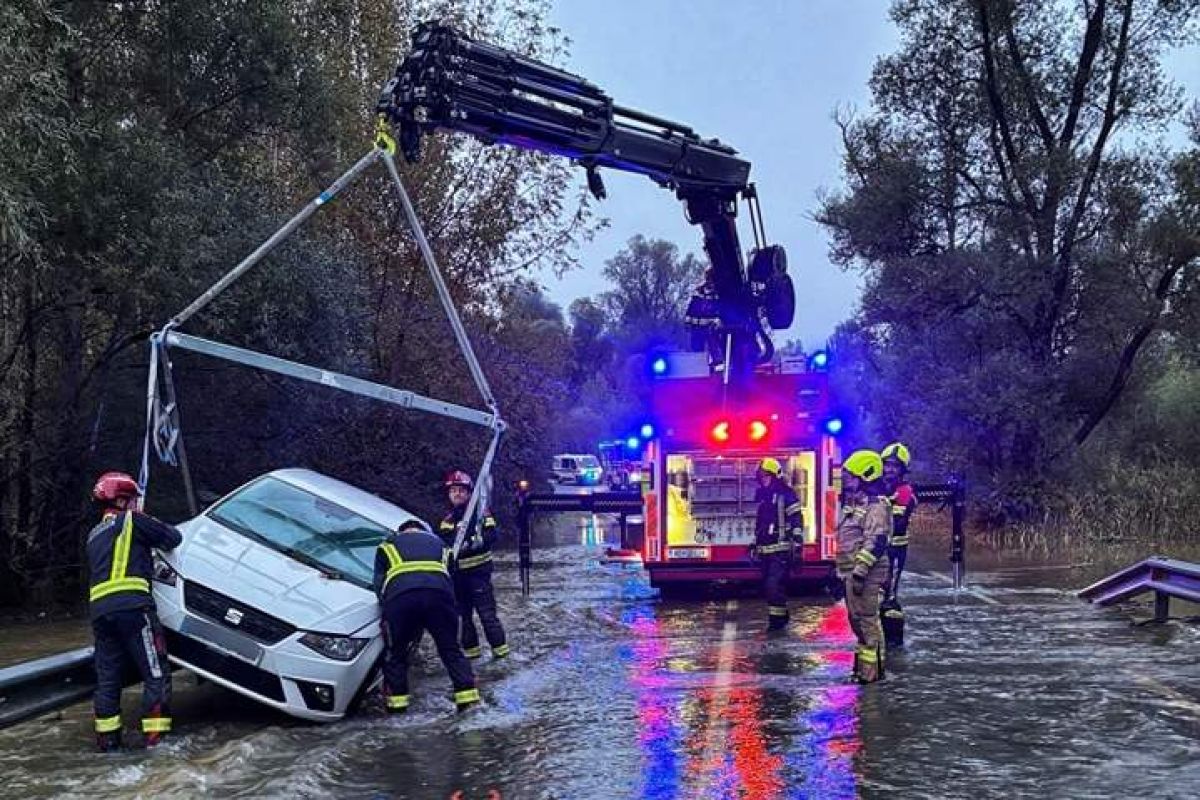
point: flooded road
(1012, 689)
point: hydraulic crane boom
(451, 81)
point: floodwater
(1013, 688)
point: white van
(270, 593)
(576, 468)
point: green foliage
(148, 147)
(1027, 263)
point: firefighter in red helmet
(124, 619)
(473, 569)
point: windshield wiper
(309, 561)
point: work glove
(475, 542)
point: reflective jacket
(904, 503)
(476, 553)
(120, 561)
(411, 560)
(864, 529)
(780, 519)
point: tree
(651, 287)
(1017, 256)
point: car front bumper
(278, 675)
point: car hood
(241, 568)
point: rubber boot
(108, 742)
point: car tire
(360, 696)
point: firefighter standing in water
(412, 581)
(124, 618)
(778, 525)
(473, 570)
(896, 459)
(864, 528)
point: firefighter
(412, 581)
(900, 492)
(124, 619)
(473, 570)
(864, 528)
(778, 524)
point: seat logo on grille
(233, 616)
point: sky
(762, 76)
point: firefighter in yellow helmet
(777, 526)
(900, 492)
(864, 529)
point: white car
(270, 593)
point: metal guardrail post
(524, 542)
(958, 539)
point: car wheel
(364, 690)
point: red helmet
(114, 485)
(459, 478)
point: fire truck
(699, 504)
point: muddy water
(1011, 689)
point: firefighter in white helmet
(778, 526)
(864, 529)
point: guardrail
(45, 684)
(1165, 577)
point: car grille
(231, 669)
(216, 607)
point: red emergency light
(758, 430)
(720, 431)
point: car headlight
(339, 648)
(163, 572)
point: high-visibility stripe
(489, 522)
(781, 547)
(108, 724)
(777, 611)
(466, 696)
(446, 525)
(501, 651)
(156, 725)
(398, 566)
(473, 652)
(117, 582)
(474, 561)
(396, 701)
(794, 508)
(866, 557)
(899, 541)
(868, 654)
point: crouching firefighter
(412, 581)
(124, 618)
(778, 525)
(864, 528)
(472, 571)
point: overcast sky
(762, 76)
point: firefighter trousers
(774, 576)
(406, 616)
(473, 590)
(131, 635)
(863, 610)
(897, 555)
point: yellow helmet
(771, 467)
(897, 451)
(864, 464)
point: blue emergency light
(659, 365)
(820, 360)
(647, 430)
(833, 426)
(632, 442)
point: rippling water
(1015, 689)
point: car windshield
(309, 528)
(589, 462)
